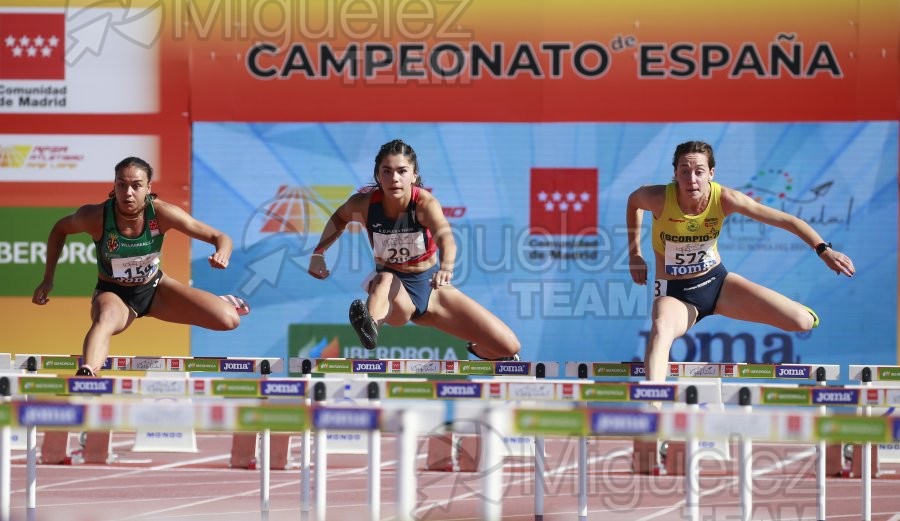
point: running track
(200, 486)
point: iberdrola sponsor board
(231, 387)
(5, 414)
(288, 419)
(859, 429)
(889, 373)
(476, 367)
(334, 366)
(785, 396)
(604, 392)
(38, 385)
(201, 365)
(410, 390)
(611, 370)
(756, 371)
(59, 362)
(569, 423)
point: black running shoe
(363, 324)
(470, 346)
(84, 371)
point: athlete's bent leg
(109, 316)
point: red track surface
(200, 486)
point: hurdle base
(245, 450)
(453, 452)
(855, 468)
(646, 459)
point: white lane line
(730, 480)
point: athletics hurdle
(647, 456)
(97, 444)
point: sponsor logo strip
(50, 414)
(611, 370)
(236, 366)
(283, 388)
(237, 388)
(91, 385)
(38, 385)
(517, 368)
(369, 366)
(476, 367)
(793, 371)
(652, 393)
(424, 390)
(785, 396)
(333, 366)
(852, 429)
(835, 396)
(285, 419)
(756, 371)
(566, 423)
(458, 390)
(889, 373)
(346, 418)
(604, 392)
(624, 423)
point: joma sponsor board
(345, 419)
(283, 388)
(50, 414)
(835, 396)
(520, 368)
(664, 393)
(459, 390)
(91, 385)
(236, 366)
(793, 371)
(366, 366)
(626, 423)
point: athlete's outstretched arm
(354, 209)
(734, 201)
(431, 214)
(84, 220)
(644, 198)
(173, 217)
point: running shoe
(815, 317)
(84, 371)
(470, 346)
(363, 324)
(240, 305)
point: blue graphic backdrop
(270, 186)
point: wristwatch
(821, 247)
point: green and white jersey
(125, 259)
